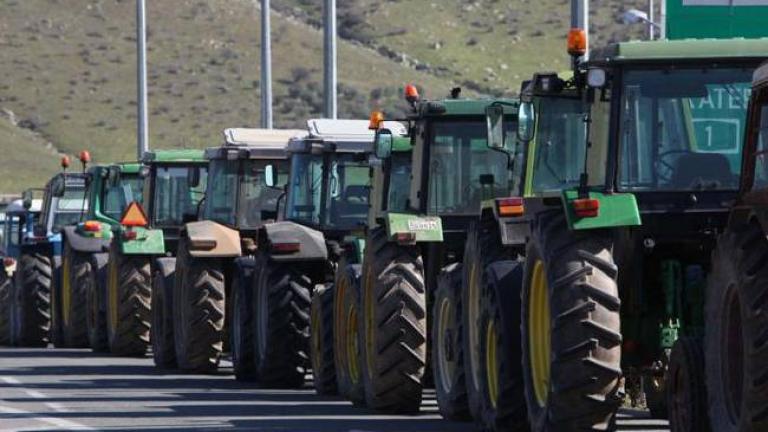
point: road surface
(45, 389)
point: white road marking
(52, 421)
(34, 394)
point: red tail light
(8, 261)
(510, 206)
(130, 235)
(586, 207)
(286, 248)
(405, 238)
(91, 226)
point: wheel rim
(112, 296)
(491, 363)
(66, 296)
(733, 360)
(474, 331)
(445, 344)
(352, 345)
(539, 333)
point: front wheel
(394, 324)
(77, 275)
(6, 285)
(241, 328)
(163, 349)
(686, 392)
(571, 329)
(281, 306)
(321, 340)
(129, 288)
(346, 320)
(96, 322)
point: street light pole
(329, 60)
(266, 67)
(580, 20)
(141, 42)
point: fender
(311, 242)
(208, 239)
(81, 243)
(509, 285)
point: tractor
(735, 351)
(19, 220)
(215, 254)
(109, 190)
(416, 244)
(321, 228)
(624, 197)
(144, 241)
(37, 279)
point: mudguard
(85, 244)
(509, 277)
(311, 242)
(208, 239)
(147, 241)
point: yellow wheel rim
(369, 324)
(352, 344)
(112, 296)
(491, 364)
(66, 296)
(446, 320)
(539, 341)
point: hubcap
(491, 364)
(539, 343)
(445, 357)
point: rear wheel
(447, 355)
(321, 340)
(198, 312)
(281, 305)
(163, 349)
(347, 349)
(570, 328)
(76, 281)
(394, 324)
(31, 303)
(686, 392)
(736, 332)
(5, 307)
(241, 330)
(129, 292)
(503, 406)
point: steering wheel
(661, 161)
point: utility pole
(663, 20)
(141, 42)
(266, 67)
(580, 20)
(651, 19)
(329, 60)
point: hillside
(68, 66)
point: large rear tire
(241, 326)
(447, 348)
(163, 349)
(686, 392)
(198, 312)
(571, 328)
(347, 348)
(6, 285)
(129, 297)
(736, 332)
(96, 322)
(503, 406)
(281, 307)
(321, 340)
(76, 281)
(394, 325)
(31, 305)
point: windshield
(117, 197)
(175, 199)
(221, 197)
(558, 151)
(342, 203)
(459, 159)
(69, 208)
(682, 129)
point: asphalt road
(75, 390)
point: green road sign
(719, 19)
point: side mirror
(270, 176)
(526, 121)
(193, 177)
(383, 143)
(26, 198)
(597, 78)
(494, 116)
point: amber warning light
(377, 118)
(577, 42)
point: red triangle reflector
(134, 216)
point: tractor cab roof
(17, 206)
(242, 143)
(761, 75)
(455, 107)
(684, 49)
(339, 136)
(173, 156)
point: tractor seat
(705, 170)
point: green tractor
(109, 190)
(736, 325)
(629, 177)
(322, 228)
(216, 253)
(174, 182)
(416, 250)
